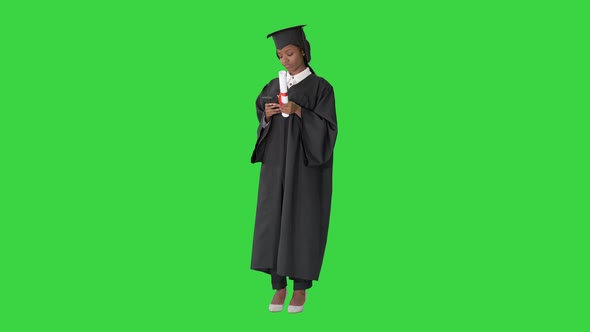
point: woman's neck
(298, 70)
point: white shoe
(293, 309)
(277, 307)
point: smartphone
(266, 100)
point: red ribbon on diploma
(279, 97)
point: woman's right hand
(271, 109)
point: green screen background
(460, 197)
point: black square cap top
(292, 36)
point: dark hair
(305, 60)
(308, 66)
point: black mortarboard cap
(292, 36)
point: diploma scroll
(283, 97)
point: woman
(295, 189)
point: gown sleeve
(319, 128)
(261, 132)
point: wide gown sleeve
(319, 129)
(261, 132)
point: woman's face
(291, 58)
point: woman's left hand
(291, 108)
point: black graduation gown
(295, 189)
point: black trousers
(280, 282)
